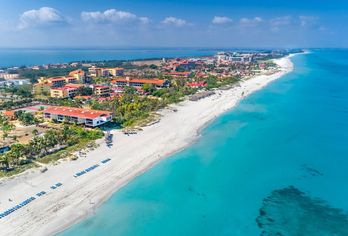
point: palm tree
(17, 152)
(6, 128)
(36, 145)
(51, 138)
(66, 132)
(7, 160)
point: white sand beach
(130, 156)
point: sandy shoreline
(130, 156)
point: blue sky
(173, 23)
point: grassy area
(17, 170)
(64, 153)
(150, 118)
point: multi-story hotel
(56, 82)
(68, 90)
(45, 85)
(105, 72)
(138, 83)
(101, 91)
(79, 75)
(185, 74)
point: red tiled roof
(78, 72)
(145, 81)
(101, 87)
(69, 87)
(56, 78)
(104, 99)
(8, 113)
(197, 84)
(83, 97)
(76, 112)
(109, 68)
(60, 89)
(70, 77)
(185, 73)
(73, 86)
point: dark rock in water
(290, 212)
(311, 171)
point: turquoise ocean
(294, 132)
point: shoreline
(130, 157)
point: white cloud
(112, 16)
(220, 20)
(278, 22)
(250, 21)
(174, 21)
(308, 20)
(144, 20)
(41, 17)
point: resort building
(179, 64)
(101, 91)
(87, 117)
(80, 75)
(67, 91)
(105, 72)
(186, 65)
(197, 84)
(116, 71)
(71, 80)
(9, 76)
(42, 88)
(138, 83)
(185, 74)
(235, 57)
(14, 83)
(56, 82)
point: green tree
(85, 91)
(148, 88)
(26, 118)
(17, 152)
(6, 128)
(6, 159)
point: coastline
(130, 157)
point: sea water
(29, 57)
(294, 132)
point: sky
(174, 23)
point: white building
(87, 117)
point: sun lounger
(105, 161)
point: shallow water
(293, 132)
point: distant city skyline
(190, 23)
